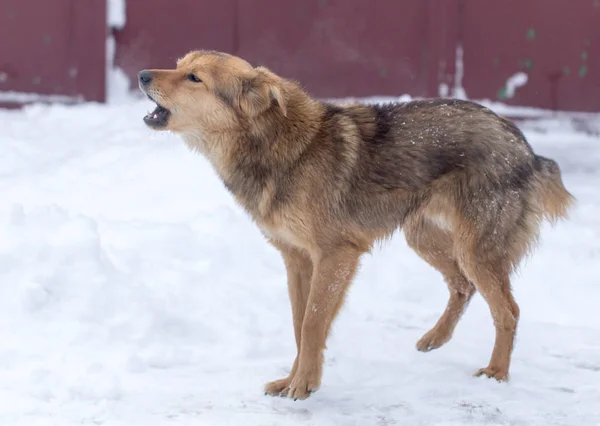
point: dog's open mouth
(157, 118)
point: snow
(26, 97)
(117, 81)
(443, 90)
(116, 13)
(518, 79)
(458, 91)
(134, 291)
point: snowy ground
(133, 291)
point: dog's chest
(283, 235)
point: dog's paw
(278, 387)
(433, 339)
(303, 385)
(497, 373)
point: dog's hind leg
(435, 246)
(497, 228)
(489, 247)
(494, 285)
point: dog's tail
(553, 198)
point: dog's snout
(145, 77)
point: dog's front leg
(299, 269)
(332, 274)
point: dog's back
(417, 142)
(453, 160)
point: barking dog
(324, 182)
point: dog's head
(210, 92)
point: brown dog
(324, 182)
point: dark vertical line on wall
(459, 79)
(427, 50)
(236, 31)
(70, 58)
(431, 52)
(461, 10)
(442, 21)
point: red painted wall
(56, 49)
(342, 48)
(336, 48)
(556, 42)
(339, 48)
(156, 35)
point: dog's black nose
(145, 77)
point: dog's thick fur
(324, 182)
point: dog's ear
(259, 91)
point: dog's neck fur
(254, 179)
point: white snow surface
(29, 97)
(518, 79)
(134, 291)
(116, 15)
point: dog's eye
(192, 77)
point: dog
(325, 181)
